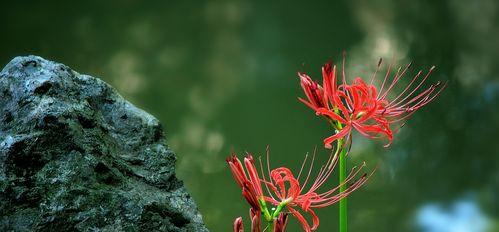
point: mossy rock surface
(76, 156)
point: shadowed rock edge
(74, 155)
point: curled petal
(301, 219)
(281, 176)
(342, 133)
(307, 199)
(315, 219)
(331, 114)
(309, 104)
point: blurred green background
(221, 75)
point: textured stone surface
(74, 155)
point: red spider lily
(250, 184)
(363, 106)
(286, 191)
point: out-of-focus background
(221, 75)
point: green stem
(270, 218)
(343, 176)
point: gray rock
(76, 156)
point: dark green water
(221, 75)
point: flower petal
(301, 219)
(342, 133)
(238, 225)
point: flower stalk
(343, 215)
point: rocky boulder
(76, 156)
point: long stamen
(376, 71)
(424, 94)
(386, 77)
(302, 166)
(427, 100)
(354, 171)
(310, 169)
(324, 175)
(343, 69)
(393, 103)
(395, 80)
(264, 178)
(329, 200)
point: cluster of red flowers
(364, 107)
(285, 191)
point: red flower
(250, 184)
(286, 191)
(362, 106)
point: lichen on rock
(76, 156)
